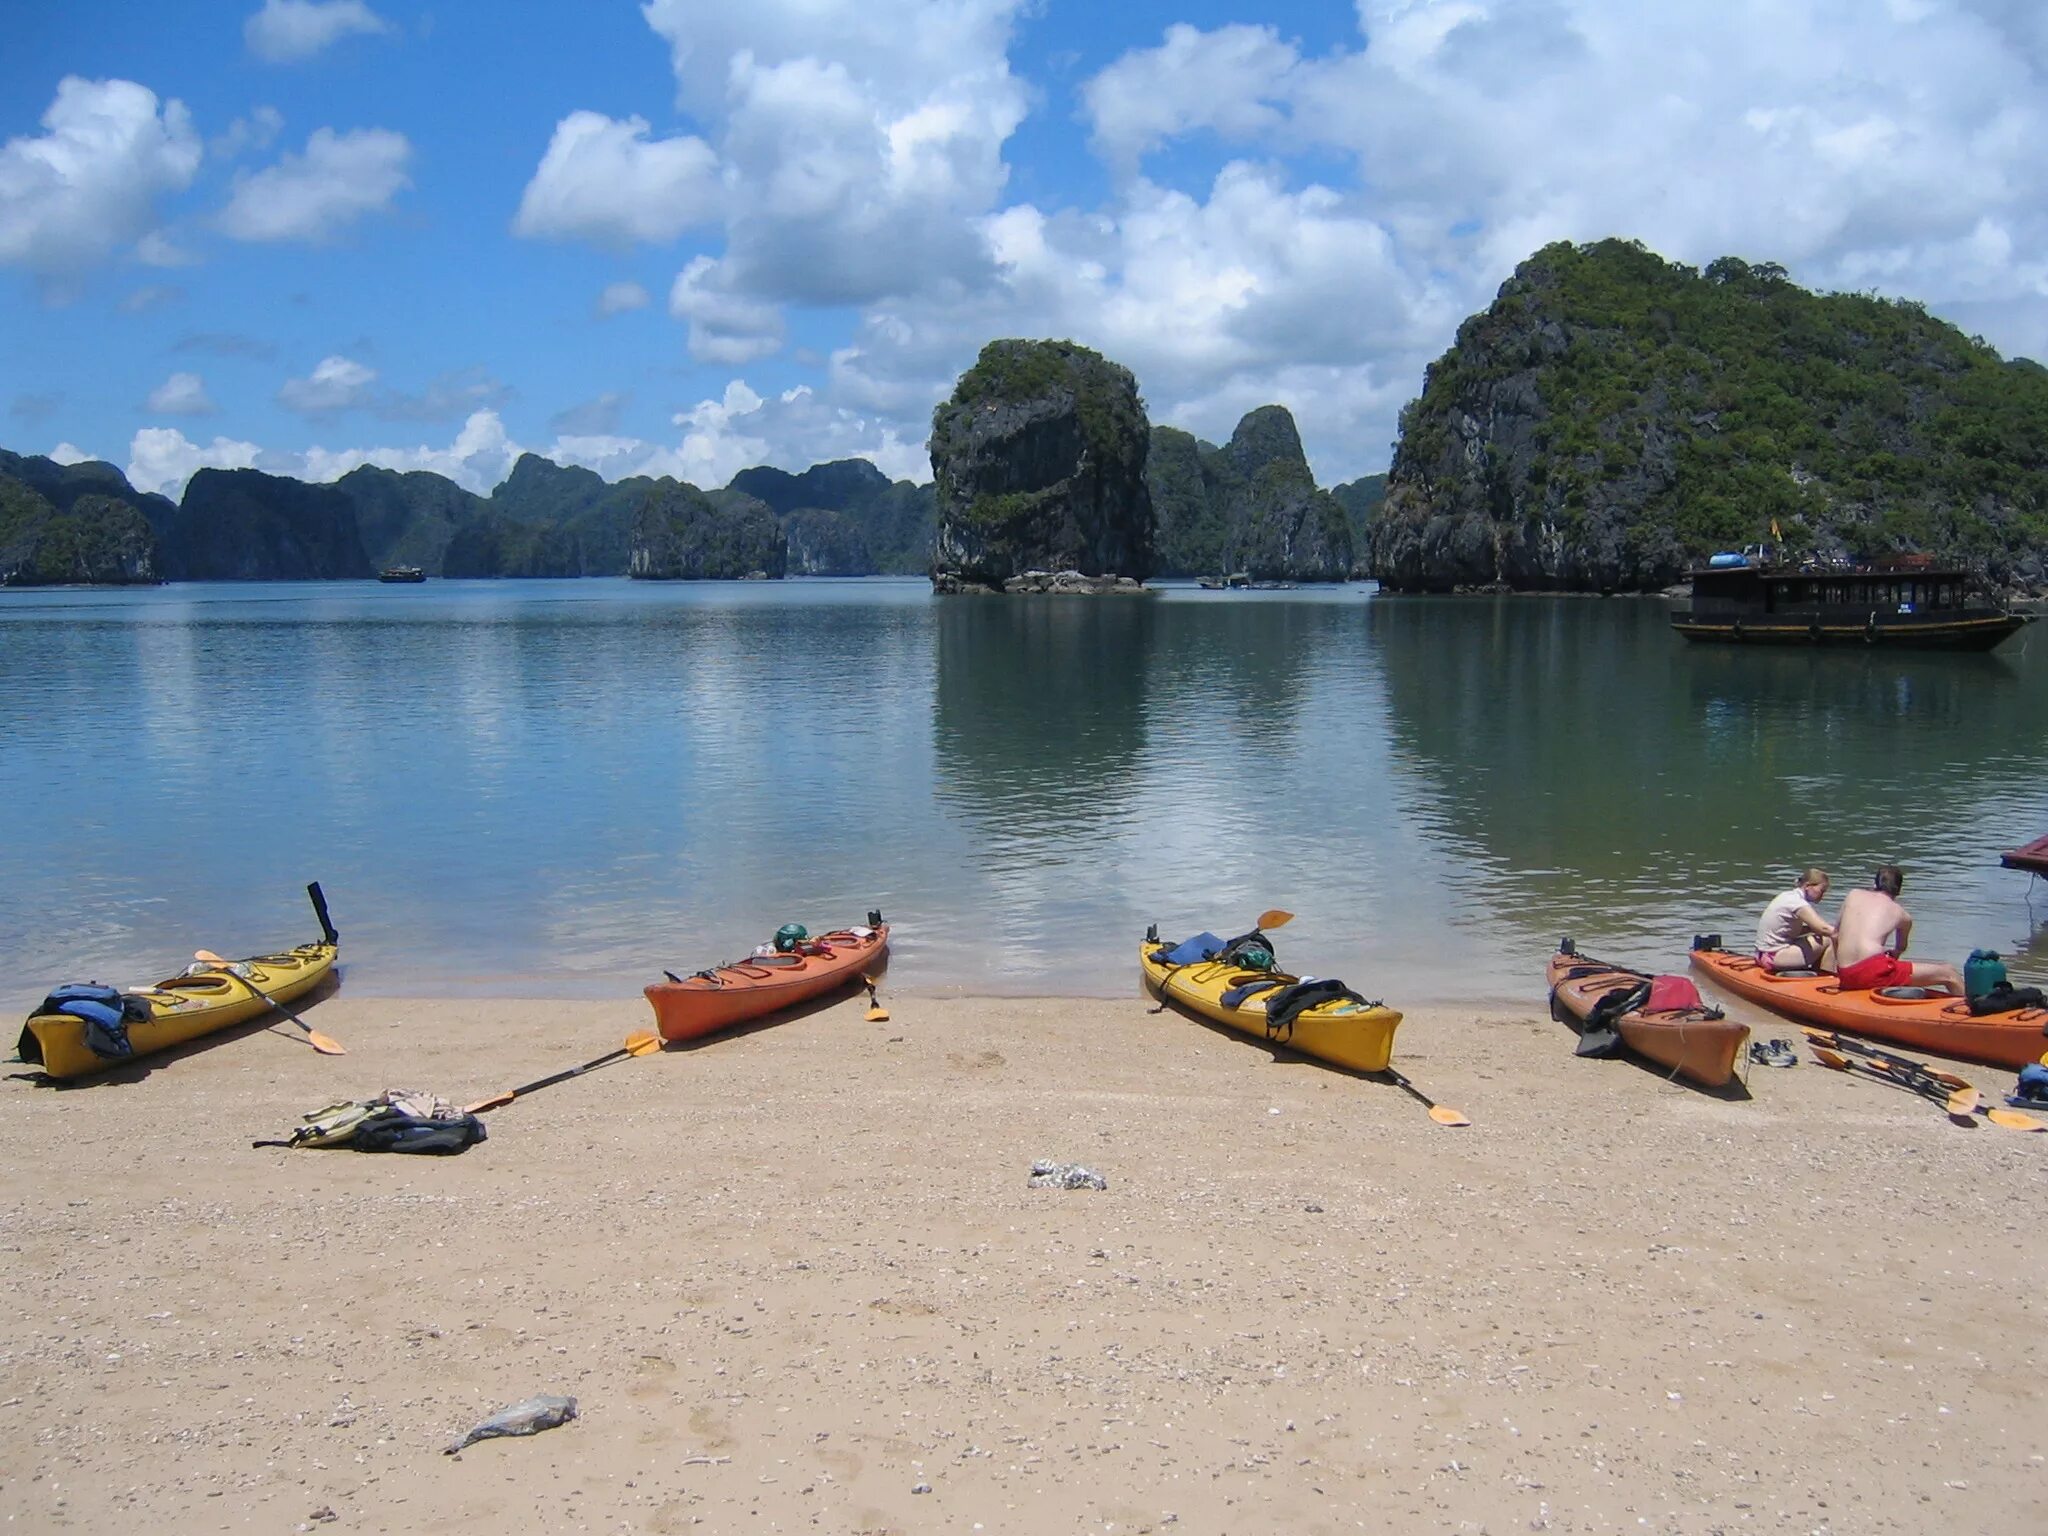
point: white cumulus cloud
(479, 458)
(725, 327)
(162, 459)
(1232, 80)
(285, 31)
(315, 195)
(182, 394)
(90, 182)
(605, 180)
(740, 428)
(335, 384)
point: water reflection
(548, 787)
(1038, 716)
(1593, 775)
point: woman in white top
(1793, 935)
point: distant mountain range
(84, 523)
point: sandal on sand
(1773, 1053)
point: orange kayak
(752, 988)
(1912, 1016)
(1698, 1044)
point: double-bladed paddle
(326, 1045)
(1274, 917)
(642, 1042)
(1955, 1094)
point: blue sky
(691, 235)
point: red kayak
(1915, 1016)
(725, 995)
(1695, 1042)
(2032, 857)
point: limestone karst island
(1610, 420)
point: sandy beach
(797, 1282)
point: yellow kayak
(182, 1008)
(1343, 1030)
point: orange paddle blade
(1963, 1102)
(1274, 919)
(1443, 1114)
(2015, 1120)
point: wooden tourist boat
(687, 1007)
(1701, 1045)
(1928, 1021)
(200, 1001)
(1907, 602)
(1342, 1031)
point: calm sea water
(561, 788)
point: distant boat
(401, 573)
(1241, 581)
(1906, 600)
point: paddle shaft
(1961, 1102)
(326, 1045)
(1888, 1059)
(1442, 1114)
(636, 1045)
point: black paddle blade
(320, 911)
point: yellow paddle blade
(208, 957)
(1274, 919)
(1828, 1058)
(1443, 1114)
(876, 1014)
(642, 1043)
(2015, 1120)
(326, 1045)
(1963, 1102)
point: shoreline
(794, 1276)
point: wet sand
(796, 1281)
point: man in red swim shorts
(1870, 937)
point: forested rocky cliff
(1612, 417)
(76, 523)
(1251, 507)
(1038, 460)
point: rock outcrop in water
(1039, 464)
(75, 523)
(407, 519)
(681, 534)
(1251, 506)
(244, 525)
(846, 518)
(1613, 417)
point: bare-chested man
(1871, 934)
